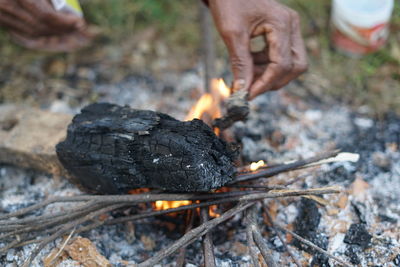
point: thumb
(241, 60)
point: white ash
(280, 128)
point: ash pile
(359, 225)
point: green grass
(174, 20)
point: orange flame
(212, 211)
(163, 205)
(256, 165)
(208, 106)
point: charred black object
(237, 109)
(111, 149)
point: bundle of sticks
(25, 226)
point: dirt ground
(147, 38)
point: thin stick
(192, 235)
(236, 196)
(46, 224)
(296, 261)
(258, 186)
(245, 196)
(134, 198)
(310, 244)
(283, 168)
(265, 251)
(258, 239)
(208, 246)
(65, 229)
(250, 241)
(62, 247)
(180, 261)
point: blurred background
(159, 40)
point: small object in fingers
(237, 107)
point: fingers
(283, 63)
(238, 44)
(300, 62)
(56, 21)
(16, 18)
(261, 57)
(280, 59)
(61, 43)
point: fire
(212, 211)
(204, 104)
(224, 90)
(163, 205)
(256, 165)
(207, 107)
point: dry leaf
(359, 188)
(342, 201)
(84, 251)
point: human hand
(36, 24)
(284, 56)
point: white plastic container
(360, 26)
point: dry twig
(274, 170)
(194, 234)
(310, 244)
(24, 227)
(256, 237)
(208, 247)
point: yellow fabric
(75, 5)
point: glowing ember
(212, 211)
(163, 205)
(256, 165)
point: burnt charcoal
(358, 235)
(306, 225)
(111, 149)
(308, 217)
(338, 174)
(385, 218)
(352, 252)
(396, 261)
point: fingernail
(238, 85)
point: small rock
(352, 252)
(396, 261)
(364, 122)
(381, 160)
(358, 235)
(10, 255)
(56, 68)
(332, 212)
(148, 242)
(86, 73)
(239, 248)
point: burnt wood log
(112, 149)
